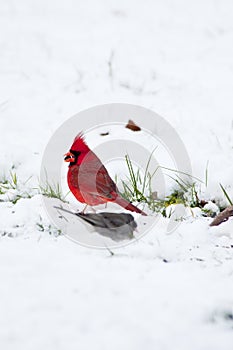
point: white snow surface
(164, 291)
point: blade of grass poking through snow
(181, 172)
(138, 177)
(188, 187)
(134, 178)
(128, 193)
(184, 186)
(52, 191)
(14, 180)
(226, 194)
(10, 183)
(132, 175)
(146, 170)
(177, 171)
(195, 199)
(140, 188)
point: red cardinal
(88, 179)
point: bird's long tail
(125, 204)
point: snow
(212, 207)
(164, 291)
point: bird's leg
(83, 211)
(94, 211)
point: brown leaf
(132, 126)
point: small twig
(223, 216)
(109, 250)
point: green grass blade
(146, 170)
(226, 194)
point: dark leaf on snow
(132, 126)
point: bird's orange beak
(69, 157)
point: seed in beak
(69, 157)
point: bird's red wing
(106, 187)
(93, 180)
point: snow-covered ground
(164, 291)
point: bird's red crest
(79, 144)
